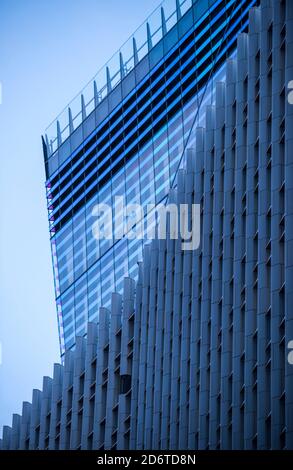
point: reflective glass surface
(135, 152)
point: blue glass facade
(131, 145)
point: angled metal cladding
(195, 354)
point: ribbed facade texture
(194, 354)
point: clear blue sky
(49, 49)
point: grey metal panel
(166, 366)
(195, 334)
(78, 393)
(151, 344)
(288, 15)
(228, 426)
(66, 407)
(6, 438)
(264, 275)
(89, 381)
(184, 393)
(56, 407)
(45, 414)
(204, 366)
(143, 349)
(15, 432)
(34, 433)
(124, 399)
(113, 365)
(135, 362)
(158, 371)
(25, 425)
(101, 379)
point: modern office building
(194, 355)
(128, 139)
